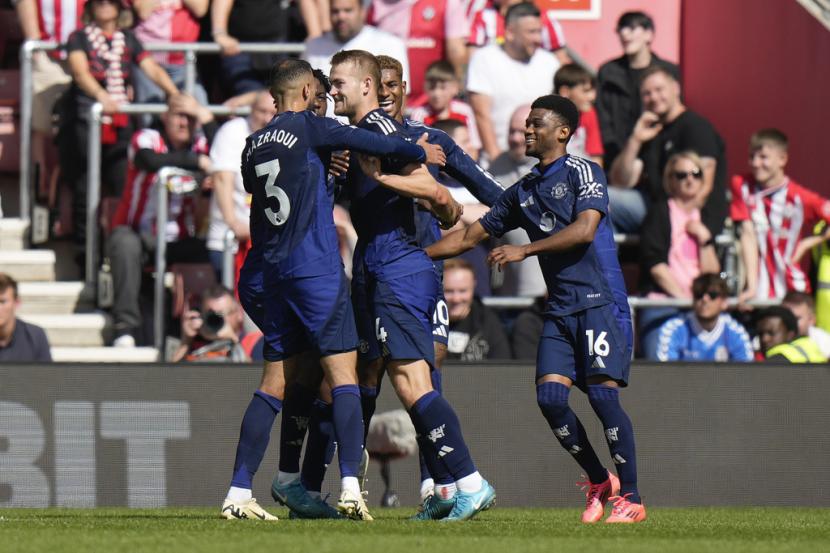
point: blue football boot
(294, 496)
(468, 505)
(434, 508)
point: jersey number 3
(272, 169)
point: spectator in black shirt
(476, 332)
(19, 340)
(665, 128)
(101, 58)
(618, 89)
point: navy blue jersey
(384, 220)
(460, 167)
(285, 168)
(544, 202)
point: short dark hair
(322, 79)
(440, 70)
(635, 19)
(522, 9)
(388, 62)
(286, 73)
(779, 312)
(570, 75)
(6, 282)
(449, 126)
(564, 109)
(364, 61)
(768, 137)
(709, 281)
(800, 298)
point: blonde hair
(691, 155)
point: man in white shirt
(350, 32)
(230, 206)
(500, 78)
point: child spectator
(577, 84)
(776, 215)
(440, 101)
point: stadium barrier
(75, 435)
(190, 50)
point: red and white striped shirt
(138, 205)
(488, 28)
(782, 216)
(58, 18)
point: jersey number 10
(272, 169)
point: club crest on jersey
(559, 190)
(428, 13)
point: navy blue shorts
(593, 342)
(399, 321)
(368, 349)
(440, 319)
(301, 314)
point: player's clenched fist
(435, 154)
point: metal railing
(93, 198)
(228, 272)
(190, 50)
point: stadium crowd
(471, 69)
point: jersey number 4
(272, 169)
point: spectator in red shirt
(488, 28)
(177, 144)
(432, 30)
(776, 216)
(574, 82)
(441, 101)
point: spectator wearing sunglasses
(707, 333)
(675, 245)
(665, 127)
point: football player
(587, 336)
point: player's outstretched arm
(416, 182)
(578, 233)
(458, 242)
(331, 134)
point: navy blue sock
(253, 437)
(320, 448)
(296, 411)
(435, 376)
(348, 427)
(552, 398)
(620, 436)
(441, 438)
(368, 402)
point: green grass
(755, 530)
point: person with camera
(212, 329)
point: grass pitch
(503, 530)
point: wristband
(219, 33)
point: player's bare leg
(341, 376)
(253, 441)
(458, 483)
(603, 393)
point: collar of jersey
(550, 168)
